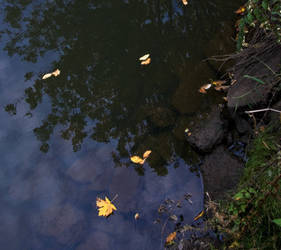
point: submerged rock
(221, 172)
(208, 132)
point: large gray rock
(207, 132)
(221, 172)
(247, 91)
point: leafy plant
(265, 14)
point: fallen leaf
(136, 159)
(146, 62)
(55, 73)
(225, 98)
(241, 10)
(199, 215)
(218, 83)
(170, 238)
(223, 88)
(137, 216)
(202, 90)
(185, 2)
(47, 76)
(146, 154)
(143, 58)
(206, 86)
(105, 207)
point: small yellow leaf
(137, 216)
(199, 215)
(185, 2)
(218, 83)
(56, 72)
(105, 207)
(138, 160)
(146, 154)
(146, 62)
(170, 238)
(143, 58)
(241, 10)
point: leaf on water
(170, 238)
(185, 2)
(146, 154)
(204, 88)
(223, 88)
(146, 62)
(241, 10)
(55, 73)
(136, 159)
(105, 207)
(47, 76)
(137, 216)
(143, 58)
(218, 83)
(199, 215)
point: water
(66, 140)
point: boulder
(208, 132)
(221, 172)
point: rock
(248, 91)
(242, 125)
(161, 117)
(208, 132)
(221, 172)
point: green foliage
(265, 14)
(251, 218)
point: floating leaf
(199, 215)
(55, 73)
(137, 216)
(218, 83)
(223, 88)
(185, 2)
(136, 159)
(241, 10)
(143, 58)
(146, 154)
(146, 62)
(170, 238)
(105, 207)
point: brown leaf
(185, 2)
(223, 88)
(137, 216)
(202, 90)
(218, 83)
(136, 159)
(170, 238)
(55, 73)
(241, 10)
(146, 62)
(143, 58)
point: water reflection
(103, 92)
(105, 107)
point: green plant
(265, 14)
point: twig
(262, 110)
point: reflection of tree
(102, 91)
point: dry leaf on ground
(185, 2)
(218, 83)
(204, 88)
(223, 88)
(105, 207)
(170, 238)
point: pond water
(68, 139)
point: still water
(68, 139)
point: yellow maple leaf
(170, 238)
(199, 215)
(105, 207)
(146, 154)
(137, 159)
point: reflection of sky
(48, 200)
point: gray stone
(208, 132)
(221, 172)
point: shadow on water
(102, 108)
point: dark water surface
(68, 139)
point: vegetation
(265, 14)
